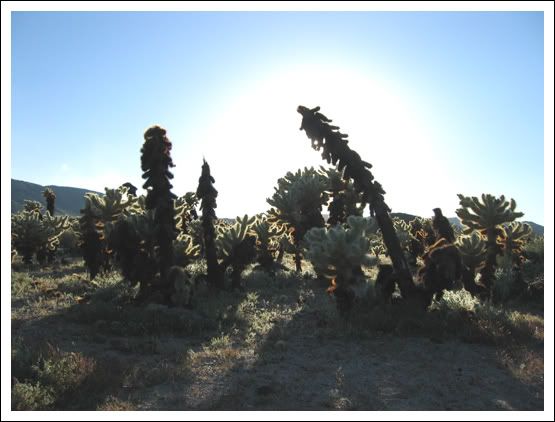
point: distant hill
(68, 200)
(536, 228)
(407, 218)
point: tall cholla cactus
(487, 216)
(207, 194)
(337, 253)
(155, 163)
(50, 197)
(335, 150)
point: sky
(440, 103)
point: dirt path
(388, 373)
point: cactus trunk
(391, 241)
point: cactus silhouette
(345, 200)
(268, 241)
(487, 216)
(473, 253)
(207, 195)
(155, 163)
(92, 240)
(131, 189)
(36, 236)
(236, 247)
(513, 239)
(335, 150)
(297, 203)
(442, 268)
(442, 227)
(134, 239)
(50, 197)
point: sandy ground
(295, 364)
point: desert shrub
(29, 396)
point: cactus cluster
(236, 247)
(297, 204)
(487, 215)
(338, 253)
(35, 235)
(268, 241)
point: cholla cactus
(442, 268)
(50, 197)
(473, 253)
(345, 200)
(36, 236)
(185, 250)
(376, 246)
(92, 240)
(29, 235)
(156, 162)
(336, 253)
(33, 206)
(403, 232)
(442, 226)
(131, 189)
(134, 240)
(236, 247)
(486, 216)
(207, 194)
(297, 204)
(473, 250)
(113, 204)
(268, 238)
(335, 150)
(185, 210)
(55, 227)
(513, 239)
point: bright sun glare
(257, 139)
